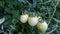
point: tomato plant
(21, 16)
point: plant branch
(53, 12)
(52, 16)
(56, 20)
(46, 2)
(51, 31)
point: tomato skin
(24, 18)
(42, 26)
(32, 21)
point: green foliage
(47, 9)
(58, 24)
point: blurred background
(11, 10)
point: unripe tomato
(24, 18)
(32, 21)
(42, 26)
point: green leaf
(1, 3)
(22, 1)
(10, 6)
(34, 3)
(14, 21)
(8, 10)
(16, 14)
(8, 22)
(58, 24)
(6, 17)
(11, 31)
(0, 30)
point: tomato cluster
(34, 21)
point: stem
(53, 12)
(46, 2)
(56, 20)
(52, 15)
(51, 31)
(3, 32)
